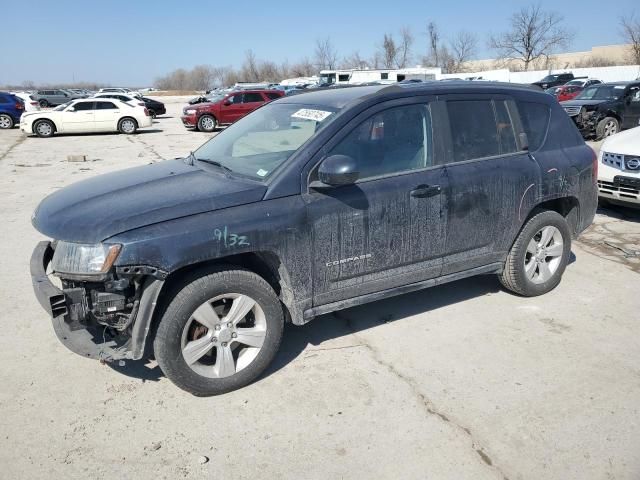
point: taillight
(19, 106)
(146, 112)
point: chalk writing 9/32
(229, 239)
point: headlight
(83, 259)
(191, 111)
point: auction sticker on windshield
(311, 114)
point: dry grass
(167, 93)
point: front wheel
(220, 331)
(607, 127)
(207, 123)
(539, 255)
(44, 128)
(127, 126)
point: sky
(130, 43)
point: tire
(6, 122)
(219, 290)
(207, 123)
(127, 125)
(152, 113)
(606, 127)
(44, 128)
(524, 270)
(43, 103)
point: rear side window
(535, 121)
(4, 99)
(252, 97)
(272, 95)
(480, 128)
(105, 106)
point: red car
(226, 108)
(567, 92)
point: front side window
(83, 106)
(392, 141)
(602, 92)
(480, 128)
(259, 143)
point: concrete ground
(462, 381)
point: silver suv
(52, 98)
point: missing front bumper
(89, 339)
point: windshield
(262, 141)
(216, 97)
(605, 92)
(61, 107)
(549, 78)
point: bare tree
(403, 50)
(434, 43)
(355, 61)
(389, 51)
(304, 68)
(326, 56)
(630, 27)
(463, 48)
(533, 33)
(250, 69)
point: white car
(583, 82)
(619, 168)
(87, 115)
(126, 91)
(30, 102)
(130, 99)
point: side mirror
(71, 109)
(226, 103)
(338, 170)
(524, 141)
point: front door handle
(423, 191)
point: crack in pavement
(147, 147)
(426, 403)
(18, 141)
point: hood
(624, 143)
(581, 103)
(98, 208)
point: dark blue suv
(310, 204)
(11, 108)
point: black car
(554, 80)
(603, 110)
(311, 204)
(154, 106)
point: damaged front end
(100, 312)
(587, 120)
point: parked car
(226, 109)
(584, 82)
(87, 115)
(619, 169)
(567, 92)
(11, 108)
(52, 98)
(554, 80)
(29, 100)
(126, 91)
(131, 100)
(603, 110)
(154, 106)
(308, 205)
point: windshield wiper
(212, 162)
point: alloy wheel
(610, 128)
(128, 126)
(44, 129)
(5, 121)
(223, 335)
(544, 254)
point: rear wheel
(127, 126)
(606, 127)
(539, 255)
(6, 121)
(152, 113)
(220, 331)
(207, 123)
(43, 103)
(44, 128)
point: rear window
(535, 121)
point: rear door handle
(423, 191)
